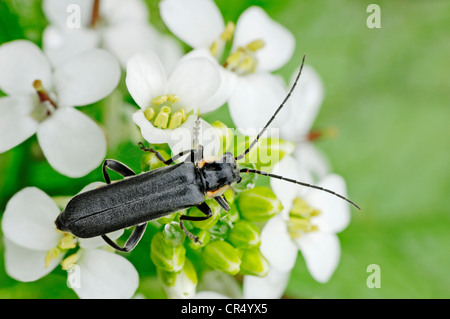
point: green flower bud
(149, 161)
(258, 204)
(232, 215)
(244, 234)
(222, 256)
(254, 263)
(229, 195)
(247, 180)
(225, 135)
(167, 219)
(207, 223)
(167, 250)
(204, 237)
(265, 154)
(181, 284)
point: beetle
(137, 199)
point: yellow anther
(159, 100)
(149, 113)
(67, 242)
(227, 34)
(248, 65)
(69, 261)
(176, 120)
(255, 45)
(173, 98)
(37, 84)
(51, 254)
(234, 59)
(162, 119)
(300, 218)
(214, 48)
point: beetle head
(219, 173)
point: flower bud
(167, 250)
(225, 135)
(222, 256)
(181, 284)
(258, 204)
(149, 161)
(204, 237)
(269, 152)
(207, 223)
(244, 234)
(254, 263)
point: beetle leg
(204, 208)
(131, 242)
(222, 202)
(117, 167)
(161, 158)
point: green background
(387, 92)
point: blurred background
(386, 92)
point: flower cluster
(92, 49)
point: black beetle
(137, 199)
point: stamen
(67, 242)
(69, 261)
(162, 119)
(300, 218)
(160, 100)
(227, 34)
(149, 113)
(51, 254)
(255, 45)
(43, 96)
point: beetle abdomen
(132, 201)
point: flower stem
(95, 14)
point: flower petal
(16, 124)
(255, 24)
(72, 142)
(271, 286)
(25, 264)
(277, 246)
(145, 38)
(150, 133)
(88, 78)
(227, 84)
(197, 22)
(146, 78)
(29, 220)
(96, 242)
(60, 12)
(303, 105)
(106, 275)
(254, 101)
(195, 81)
(121, 12)
(61, 45)
(312, 160)
(21, 63)
(182, 138)
(335, 212)
(321, 252)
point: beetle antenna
(275, 114)
(250, 170)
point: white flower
(309, 222)
(121, 27)
(260, 46)
(170, 105)
(41, 101)
(33, 248)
